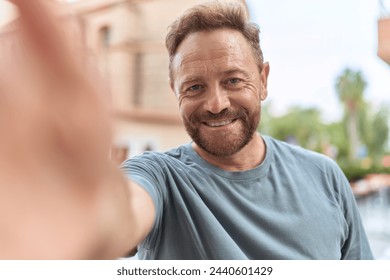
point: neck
(247, 158)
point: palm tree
(350, 86)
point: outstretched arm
(60, 196)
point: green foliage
(336, 135)
(300, 125)
(374, 130)
(362, 125)
(355, 171)
(350, 86)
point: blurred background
(329, 85)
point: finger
(44, 29)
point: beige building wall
(384, 31)
(384, 39)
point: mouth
(219, 123)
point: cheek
(187, 107)
(249, 96)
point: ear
(264, 79)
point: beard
(227, 143)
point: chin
(223, 145)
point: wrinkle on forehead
(218, 43)
(226, 46)
(206, 52)
(199, 62)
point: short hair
(211, 16)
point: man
(233, 193)
(230, 194)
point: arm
(126, 217)
(60, 196)
(356, 245)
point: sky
(309, 43)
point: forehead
(213, 50)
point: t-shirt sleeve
(356, 246)
(147, 172)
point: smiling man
(233, 193)
(220, 88)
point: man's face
(220, 89)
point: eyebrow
(190, 79)
(195, 78)
(234, 71)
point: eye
(194, 88)
(233, 81)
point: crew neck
(257, 172)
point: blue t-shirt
(296, 204)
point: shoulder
(297, 155)
(293, 152)
(157, 160)
(312, 169)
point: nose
(217, 100)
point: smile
(219, 123)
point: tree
(374, 131)
(350, 86)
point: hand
(55, 136)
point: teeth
(221, 123)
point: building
(384, 35)
(126, 39)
